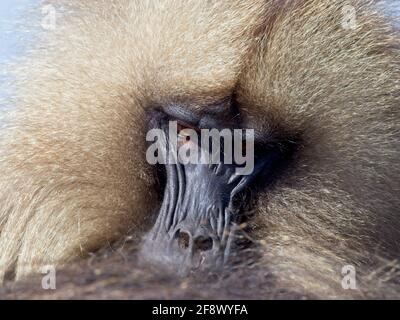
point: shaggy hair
(72, 151)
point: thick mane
(74, 178)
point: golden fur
(72, 166)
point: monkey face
(197, 225)
(311, 102)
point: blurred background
(12, 36)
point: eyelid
(182, 115)
(193, 115)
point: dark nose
(185, 249)
(194, 248)
(195, 244)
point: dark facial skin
(197, 224)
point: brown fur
(73, 173)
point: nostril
(183, 239)
(203, 243)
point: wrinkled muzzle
(196, 224)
